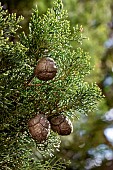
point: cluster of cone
(40, 125)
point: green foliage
(54, 164)
(10, 53)
(23, 95)
(52, 34)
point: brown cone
(61, 125)
(39, 127)
(46, 69)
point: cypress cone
(61, 124)
(39, 127)
(46, 69)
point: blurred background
(90, 146)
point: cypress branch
(68, 93)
